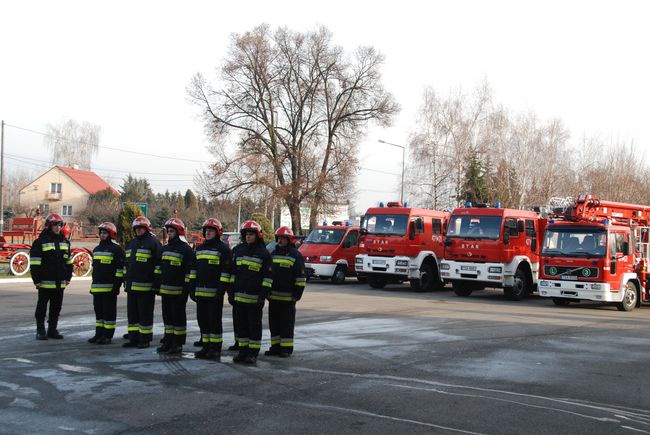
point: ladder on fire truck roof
(590, 208)
(637, 217)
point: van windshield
(386, 224)
(475, 227)
(322, 236)
(575, 242)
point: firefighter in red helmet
(108, 274)
(142, 255)
(252, 282)
(51, 269)
(173, 277)
(288, 285)
(212, 264)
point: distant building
(62, 190)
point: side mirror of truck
(363, 231)
(447, 241)
(506, 235)
(412, 230)
(626, 248)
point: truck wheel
(339, 274)
(629, 298)
(377, 282)
(521, 288)
(461, 288)
(561, 302)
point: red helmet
(251, 226)
(176, 224)
(53, 218)
(65, 230)
(213, 223)
(110, 227)
(141, 221)
(284, 232)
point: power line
(377, 170)
(27, 159)
(106, 147)
(49, 166)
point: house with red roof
(62, 190)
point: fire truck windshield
(324, 236)
(575, 242)
(386, 224)
(475, 227)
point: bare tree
(294, 109)
(72, 143)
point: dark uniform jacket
(142, 255)
(51, 263)
(173, 268)
(108, 267)
(210, 274)
(252, 273)
(288, 274)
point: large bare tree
(287, 113)
(72, 143)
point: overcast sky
(125, 64)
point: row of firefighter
(586, 249)
(249, 275)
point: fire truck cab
(329, 251)
(493, 247)
(597, 251)
(400, 243)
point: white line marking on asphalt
(601, 407)
(372, 414)
(20, 360)
(634, 429)
(435, 390)
(76, 369)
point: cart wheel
(82, 264)
(19, 263)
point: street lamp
(401, 198)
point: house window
(66, 210)
(44, 208)
(55, 187)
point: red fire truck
(400, 243)
(597, 251)
(329, 251)
(493, 247)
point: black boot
(93, 339)
(175, 349)
(126, 336)
(144, 344)
(164, 348)
(130, 343)
(250, 359)
(273, 351)
(54, 334)
(199, 343)
(103, 340)
(234, 346)
(40, 331)
(240, 357)
(51, 329)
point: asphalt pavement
(366, 361)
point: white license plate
(569, 278)
(472, 268)
(378, 261)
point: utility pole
(2, 176)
